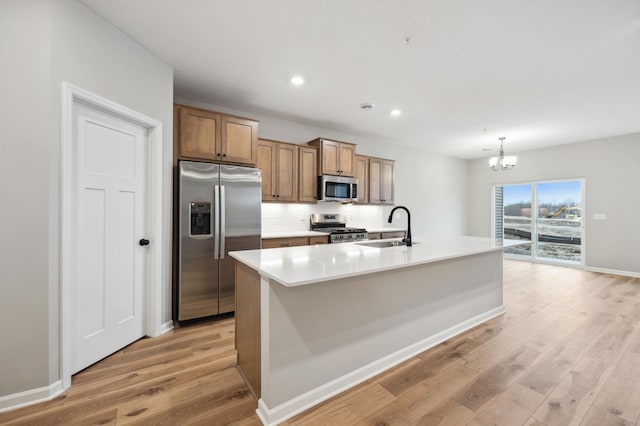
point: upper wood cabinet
(208, 135)
(199, 132)
(381, 181)
(308, 175)
(335, 158)
(279, 164)
(362, 174)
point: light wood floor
(566, 352)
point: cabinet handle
(224, 155)
(273, 195)
(218, 154)
(277, 196)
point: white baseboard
(613, 272)
(30, 397)
(167, 326)
(286, 410)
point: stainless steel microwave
(337, 188)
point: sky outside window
(560, 192)
(551, 192)
(515, 194)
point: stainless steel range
(336, 225)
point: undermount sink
(383, 244)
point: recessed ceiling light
(297, 80)
(396, 112)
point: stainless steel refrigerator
(219, 212)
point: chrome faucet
(407, 238)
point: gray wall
(432, 186)
(24, 256)
(47, 42)
(611, 168)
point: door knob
(143, 242)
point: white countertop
(295, 266)
(512, 243)
(292, 234)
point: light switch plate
(599, 216)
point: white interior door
(109, 167)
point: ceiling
(540, 73)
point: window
(549, 214)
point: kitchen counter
(313, 321)
(302, 265)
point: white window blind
(498, 213)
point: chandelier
(502, 162)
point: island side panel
(320, 334)
(248, 325)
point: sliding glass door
(559, 221)
(548, 214)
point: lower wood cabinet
(319, 240)
(294, 241)
(385, 235)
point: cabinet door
(362, 174)
(265, 160)
(318, 240)
(330, 154)
(308, 175)
(347, 160)
(375, 176)
(374, 235)
(381, 181)
(286, 172)
(386, 235)
(199, 134)
(285, 242)
(239, 140)
(386, 182)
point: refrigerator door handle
(223, 233)
(216, 222)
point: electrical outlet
(599, 216)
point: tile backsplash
(280, 217)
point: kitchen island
(313, 321)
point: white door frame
(153, 285)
